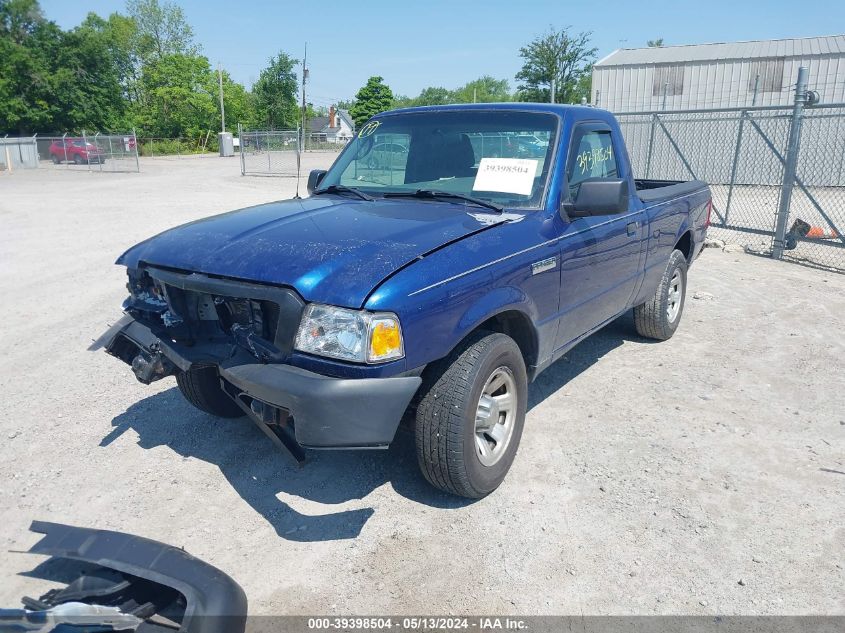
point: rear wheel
(470, 415)
(201, 387)
(77, 159)
(658, 318)
(55, 159)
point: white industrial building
(722, 75)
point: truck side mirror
(599, 196)
(315, 178)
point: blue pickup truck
(448, 256)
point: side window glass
(593, 158)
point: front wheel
(77, 159)
(471, 414)
(55, 159)
(201, 387)
(658, 318)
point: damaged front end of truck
(179, 321)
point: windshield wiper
(342, 189)
(436, 193)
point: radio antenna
(300, 141)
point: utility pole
(474, 96)
(222, 111)
(304, 77)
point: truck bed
(656, 191)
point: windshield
(499, 156)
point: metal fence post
(8, 155)
(241, 147)
(85, 145)
(135, 142)
(650, 146)
(298, 158)
(64, 146)
(791, 163)
(267, 143)
(100, 159)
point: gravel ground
(701, 475)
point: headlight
(353, 335)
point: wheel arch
(507, 310)
(684, 244)
(519, 327)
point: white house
(709, 76)
(338, 127)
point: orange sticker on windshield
(369, 128)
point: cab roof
(548, 108)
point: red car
(77, 150)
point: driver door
(599, 254)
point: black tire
(55, 159)
(446, 415)
(77, 159)
(201, 387)
(652, 318)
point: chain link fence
(269, 153)
(89, 152)
(177, 147)
(279, 152)
(777, 174)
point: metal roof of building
(797, 47)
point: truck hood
(330, 249)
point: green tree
(20, 19)
(120, 35)
(558, 57)
(239, 103)
(275, 94)
(161, 29)
(485, 89)
(86, 80)
(584, 86)
(371, 99)
(51, 80)
(655, 43)
(433, 95)
(179, 100)
(27, 41)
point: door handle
(632, 229)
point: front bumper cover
(327, 412)
(214, 603)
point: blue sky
(442, 43)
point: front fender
(497, 301)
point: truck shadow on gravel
(259, 474)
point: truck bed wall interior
(655, 191)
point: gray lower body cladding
(327, 412)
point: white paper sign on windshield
(506, 175)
